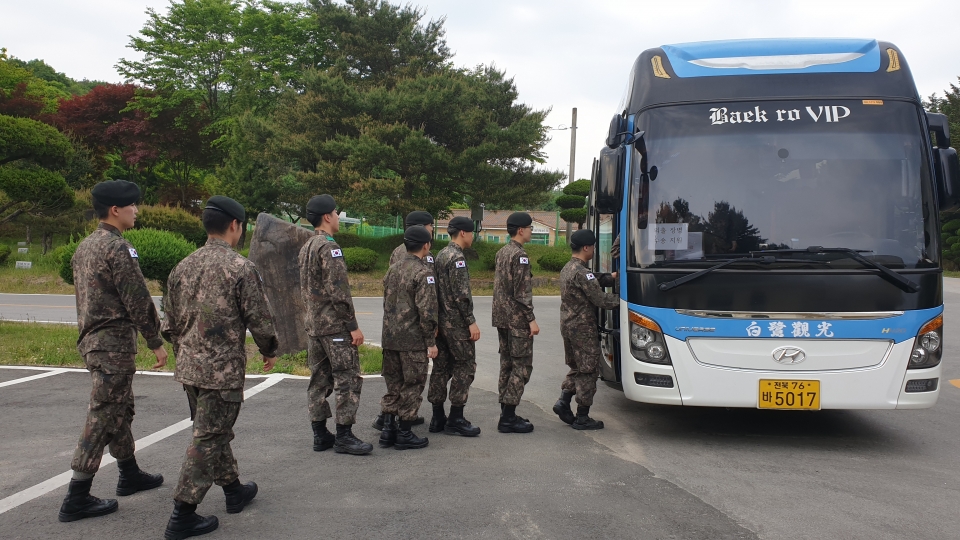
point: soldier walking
(513, 317)
(331, 323)
(409, 339)
(456, 358)
(581, 294)
(214, 296)
(113, 304)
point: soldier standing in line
(456, 360)
(331, 323)
(409, 339)
(214, 296)
(581, 294)
(417, 217)
(113, 303)
(515, 322)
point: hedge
(62, 257)
(553, 261)
(165, 218)
(359, 259)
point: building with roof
(547, 226)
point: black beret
(417, 234)
(583, 237)
(461, 223)
(418, 217)
(321, 204)
(228, 206)
(519, 219)
(116, 193)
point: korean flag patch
(461, 264)
(133, 253)
(524, 260)
(336, 253)
(429, 259)
(590, 276)
(430, 279)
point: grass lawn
(55, 345)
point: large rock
(274, 249)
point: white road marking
(164, 373)
(62, 479)
(33, 377)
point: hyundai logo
(789, 355)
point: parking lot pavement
(554, 483)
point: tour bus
(776, 205)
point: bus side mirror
(609, 182)
(947, 170)
(617, 131)
(940, 126)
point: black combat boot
(388, 434)
(562, 408)
(132, 479)
(408, 440)
(79, 504)
(239, 495)
(185, 522)
(584, 421)
(511, 423)
(346, 443)
(322, 438)
(378, 423)
(458, 425)
(439, 419)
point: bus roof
(768, 68)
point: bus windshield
(738, 177)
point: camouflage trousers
(516, 364)
(405, 373)
(334, 363)
(455, 364)
(110, 412)
(582, 355)
(209, 459)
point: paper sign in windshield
(669, 236)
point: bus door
(604, 220)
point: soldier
(113, 304)
(417, 217)
(214, 296)
(409, 339)
(456, 358)
(580, 296)
(331, 323)
(513, 317)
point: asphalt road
(654, 472)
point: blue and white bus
(777, 208)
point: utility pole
(573, 162)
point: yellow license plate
(788, 394)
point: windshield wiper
(855, 254)
(747, 257)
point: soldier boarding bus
(776, 205)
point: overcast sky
(562, 53)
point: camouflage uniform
(409, 329)
(214, 296)
(333, 359)
(580, 296)
(113, 303)
(401, 252)
(512, 315)
(456, 357)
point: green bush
(570, 201)
(359, 259)
(951, 226)
(952, 240)
(348, 240)
(62, 257)
(581, 188)
(4, 253)
(553, 261)
(574, 215)
(176, 220)
(159, 251)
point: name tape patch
(461, 264)
(430, 279)
(336, 253)
(524, 260)
(133, 253)
(590, 276)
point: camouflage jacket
(215, 295)
(401, 251)
(112, 297)
(513, 288)
(453, 292)
(325, 288)
(581, 294)
(409, 306)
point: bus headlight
(926, 348)
(646, 340)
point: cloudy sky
(562, 53)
